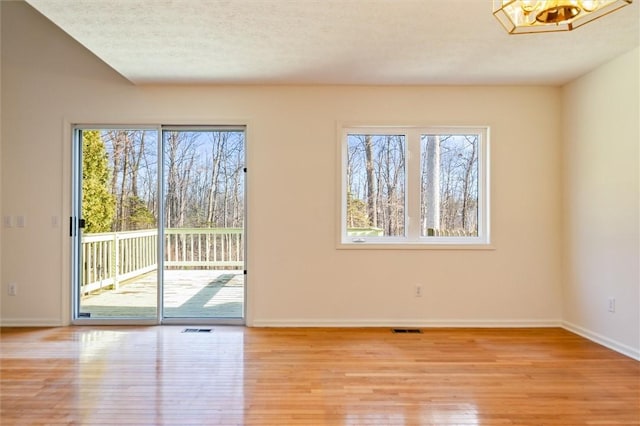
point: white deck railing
(195, 247)
(113, 257)
(458, 232)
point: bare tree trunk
(467, 186)
(372, 209)
(432, 190)
(400, 167)
(389, 216)
(136, 159)
(171, 195)
(236, 198)
(225, 198)
(212, 204)
(117, 156)
(150, 187)
(123, 211)
(183, 191)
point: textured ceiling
(332, 41)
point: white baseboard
(602, 340)
(31, 322)
(514, 323)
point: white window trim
(412, 238)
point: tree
(140, 217)
(431, 184)
(180, 157)
(372, 208)
(469, 197)
(376, 182)
(356, 212)
(459, 183)
(98, 204)
(132, 183)
(203, 178)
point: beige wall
(295, 278)
(2, 287)
(601, 203)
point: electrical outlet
(13, 289)
(418, 290)
(612, 304)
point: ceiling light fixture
(536, 16)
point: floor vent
(406, 330)
(196, 330)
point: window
(416, 186)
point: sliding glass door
(115, 225)
(203, 222)
(158, 224)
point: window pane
(375, 195)
(449, 185)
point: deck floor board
(187, 294)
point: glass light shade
(534, 16)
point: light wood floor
(234, 376)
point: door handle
(72, 229)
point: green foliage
(356, 212)
(139, 215)
(98, 204)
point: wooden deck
(316, 377)
(187, 294)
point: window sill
(410, 246)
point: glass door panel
(116, 224)
(203, 234)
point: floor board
(276, 376)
